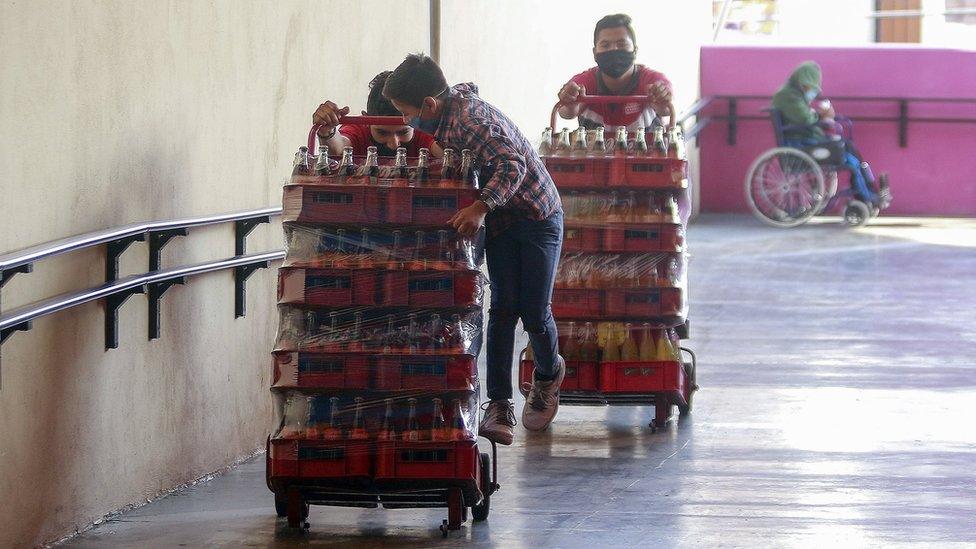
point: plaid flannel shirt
(514, 180)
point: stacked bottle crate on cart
(375, 364)
(620, 290)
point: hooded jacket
(796, 110)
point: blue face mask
(810, 95)
(426, 126)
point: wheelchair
(787, 185)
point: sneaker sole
(498, 438)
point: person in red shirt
(386, 139)
(615, 49)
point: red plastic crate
(576, 303)
(321, 371)
(569, 173)
(582, 239)
(427, 206)
(400, 460)
(425, 289)
(441, 372)
(333, 204)
(320, 459)
(656, 172)
(327, 287)
(643, 302)
(654, 237)
(580, 376)
(642, 377)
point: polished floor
(838, 374)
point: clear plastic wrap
(380, 305)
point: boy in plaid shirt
(523, 216)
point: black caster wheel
(281, 506)
(857, 214)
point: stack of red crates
(375, 365)
(621, 287)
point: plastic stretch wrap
(621, 283)
(375, 363)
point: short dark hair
(416, 78)
(615, 20)
(376, 104)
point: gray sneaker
(542, 403)
(498, 421)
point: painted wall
(113, 112)
(931, 176)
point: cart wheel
(281, 506)
(480, 512)
(296, 509)
(857, 213)
(875, 211)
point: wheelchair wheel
(785, 187)
(857, 213)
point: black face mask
(615, 63)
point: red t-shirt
(360, 137)
(632, 115)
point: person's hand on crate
(469, 220)
(328, 115)
(568, 96)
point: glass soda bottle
(365, 250)
(564, 146)
(459, 427)
(571, 349)
(423, 168)
(620, 147)
(469, 174)
(334, 430)
(418, 261)
(445, 257)
(401, 171)
(347, 167)
(629, 351)
(589, 349)
(647, 349)
(372, 164)
(448, 168)
(358, 431)
(388, 432)
(640, 145)
(611, 351)
(394, 259)
(412, 432)
(545, 145)
(438, 429)
(599, 142)
(659, 143)
(580, 146)
(322, 166)
(300, 166)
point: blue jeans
(522, 264)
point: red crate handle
(364, 120)
(611, 100)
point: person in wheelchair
(811, 124)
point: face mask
(615, 63)
(810, 95)
(426, 126)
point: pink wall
(934, 175)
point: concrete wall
(117, 112)
(933, 175)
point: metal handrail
(154, 282)
(139, 282)
(903, 118)
(29, 255)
